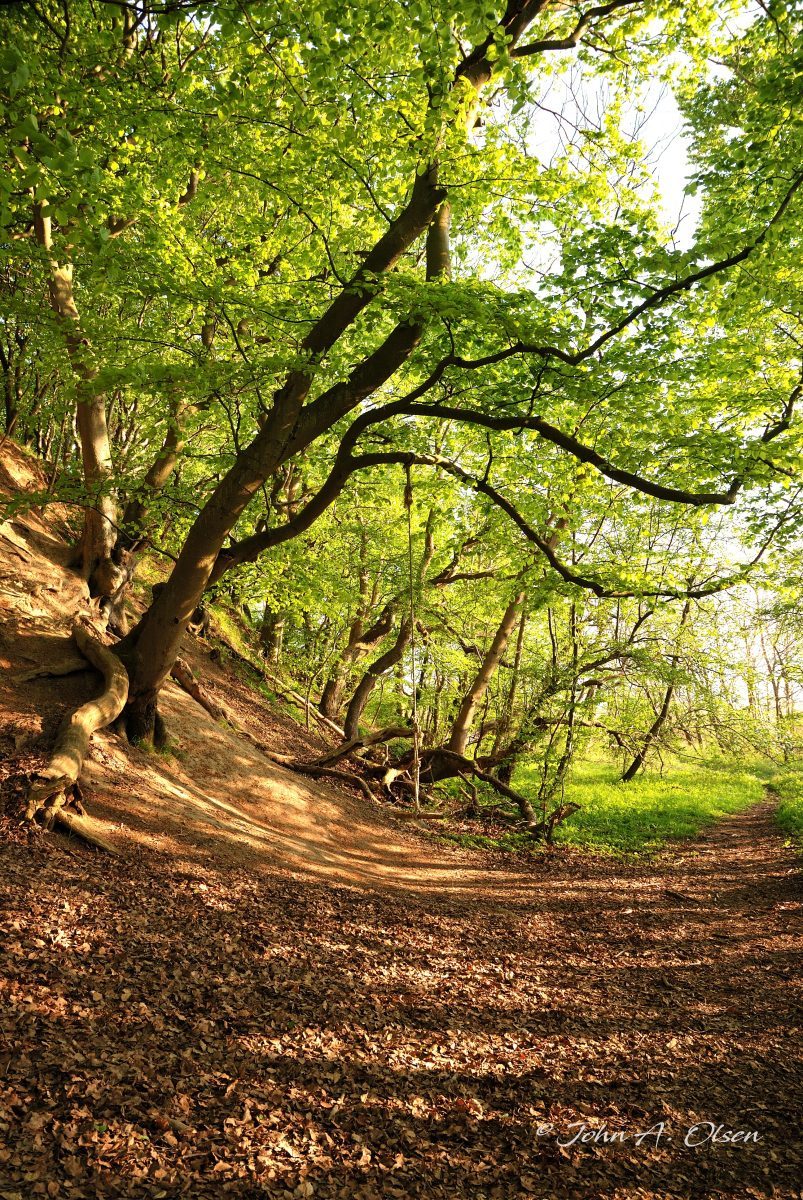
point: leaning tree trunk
(650, 736)
(153, 647)
(394, 655)
(506, 720)
(377, 669)
(440, 763)
(663, 712)
(361, 642)
(462, 725)
(289, 427)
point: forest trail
(169, 1028)
(279, 990)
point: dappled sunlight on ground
(276, 989)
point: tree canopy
(264, 266)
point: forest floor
(276, 989)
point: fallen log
(53, 786)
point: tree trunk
(361, 642)
(271, 636)
(394, 655)
(377, 669)
(663, 713)
(9, 392)
(650, 736)
(100, 523)
(439, 258)
(332, 694)
(462, 725)
(506, 720)
(154, 645)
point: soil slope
(277, 990)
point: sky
(654, 118)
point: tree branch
(570, 42)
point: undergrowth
(788, 786)
(639, 817)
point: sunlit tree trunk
(100, 521)
(461, 728)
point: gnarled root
(56, 784)
(356, 744)
(185, 679)
(318, 772)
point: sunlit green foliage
(789, 787)
(215, 175)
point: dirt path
(206, 1031)
(278, 991)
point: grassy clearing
(640, 817)
(789, 787)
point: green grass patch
(640, 817)
(231, 627)
(788, 786)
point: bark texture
(471, 701)
(52, 787)
(100, 522)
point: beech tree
(253, 241)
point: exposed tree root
(80, 827)
(185, 679)
(438, 762)
(70, 665)
(353, 745)
(408, 814)
(57, 784)
(441, 763)
(319, 772)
